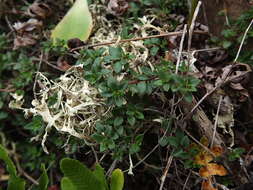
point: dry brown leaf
(236, 86)
(40, 10)
(207, 185)
(23, 41)
(212, 169)
(63, 65)
(169, 56)
(28, 26)
(117, 7)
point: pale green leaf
(77, 23)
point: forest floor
(161, 98)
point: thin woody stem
(136, 39)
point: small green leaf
(14, 183)
(134, 148)
(185, 141)
(154, 50)
(117, 180)
(115, 53)
(141, 87)
(131, 120)
(158, 83)
(228, 33)
(43, 180)
(119, 101)
(138, 139)
(3, 115)
(188, 98)
(226, 44)
(139, 115)
(163, 141)
(97, 137)
(178, 152)
(173, 141)
(117, 67)
(118, 121)
(166, 87)
(120, 130)
(10, 166)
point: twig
(243, 39)
(108, 173)
(178, 63)
(50, 64)
(95, 154)
(145, 157)
(180, 49)
(165, 172)
(37, 75)
(136, 39)
(22, 171)
(7, 89)
(196, 11)
(216, 120)
(207, 49)
(187, 179)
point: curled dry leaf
(240, 73)
(217, 150)
(207, 185)
(212, 169)
(117, 7)
(203, 158)
(24, 36)
(63, 64)
(22, 41)
(40, 10)
(28, 26)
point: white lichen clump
(77, 105)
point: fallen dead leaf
(30, 25)
(207, 185)
(203, 158)
(117, 7)
(217, 150)
(212, 169)
(40, 10)
(22, 41)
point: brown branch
(136, 39)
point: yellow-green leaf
(77, 23)
(117, 180)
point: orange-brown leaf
(207, 185)
(203, 158)
(212, 169)
(217, 150)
